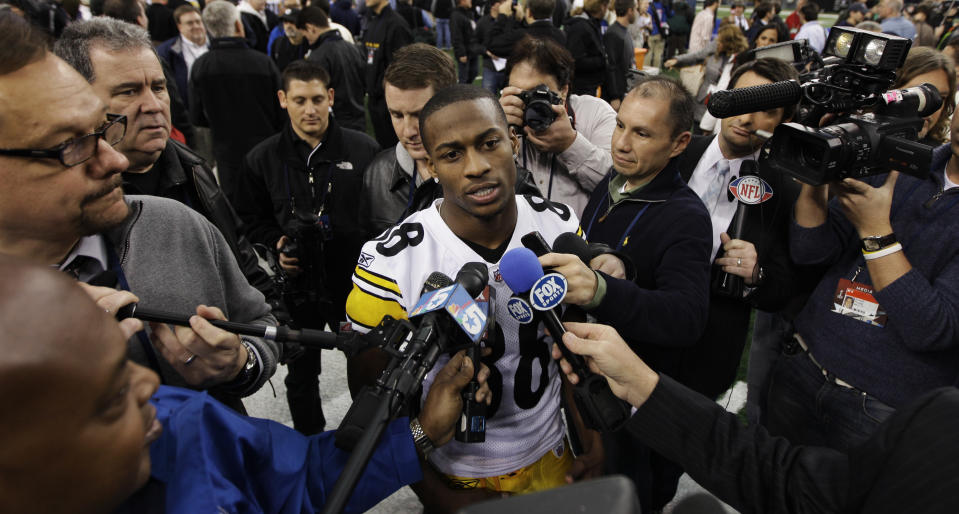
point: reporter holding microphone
(643, 210)
(910, 464)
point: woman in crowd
(718, 58)
(767, 35)
(924, 64)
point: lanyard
(114, 263)
(629, 228)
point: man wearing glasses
(62, 204)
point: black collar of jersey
(490, 255)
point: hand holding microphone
(522, 272)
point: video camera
(539, 114)
(859, 68)
(307, 232)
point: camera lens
(810, 156)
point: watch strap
(876, 243)
(420, 438)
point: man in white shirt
(570, 156)
(811, 30)
(702, 32)
(182, 51)
(759, 255)
(738, 16)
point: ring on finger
(189, 360)
(739, 262)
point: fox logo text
(520, 310)
(548, 291)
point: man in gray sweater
(62, 205)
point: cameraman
(572, 155)
(889, 241)
(299, 192)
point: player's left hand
(867, 207)
(557, 137)
(590, 463)
(581, 279)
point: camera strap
(317, 207)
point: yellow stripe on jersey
(384, 283)
(368, 309)
(579, 231)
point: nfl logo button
(751, 190)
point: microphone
(567, 242)
(454, 302)
(521, 271)
(350, 343)
(472, 425)
(733, 102)
(749, 189)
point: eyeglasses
(79, 150)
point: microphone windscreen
(568, 242)
(520, 269)
(473, 276)
(733, 102)
(436, 280)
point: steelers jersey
(523, 421)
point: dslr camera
(875, 130)
(539, 114)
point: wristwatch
(420, 438)
(876, 243)
(249, 370)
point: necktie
(717, 187)
(83, 268)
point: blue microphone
(522, 272)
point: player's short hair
(456, 94)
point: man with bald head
(79, 414)
(62, 205)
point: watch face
(871, 245)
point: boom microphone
(733, 102)
(346, 342)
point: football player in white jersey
(479, 218)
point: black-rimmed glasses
(79, 150)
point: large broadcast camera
(875, 130)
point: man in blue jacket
(645, 210)
(101, 430)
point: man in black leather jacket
(301, 186)
(130, 81)
(397, 183)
